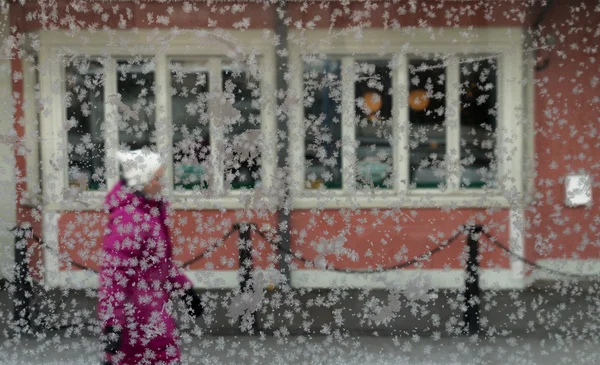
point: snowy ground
(548, 328)
(324, 350)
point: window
(136, 105)
(416, 122)
(385, 127)
(113, 103)
(84, 101)
(322, 123)
(242, 164)
(374, 122)
(478, 119)
(427, 89)
(225, 94)
(427, 115)
(190, 85)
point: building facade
(404, 122)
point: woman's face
(155, 186)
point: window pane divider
(61, 114)
(50, 127)
(348, 126)
(401, 127)
(164, 123)
(112, 130)
(32, 126)
(296, 129)
(216, 184)
(268, 127)
(453, 126)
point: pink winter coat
(138, 279)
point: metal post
(281, 52)
(472, 289)
(21, 314)
(246, 264)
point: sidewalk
(323, 350)
(552, 325)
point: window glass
(427, 109)
(242, 131)
(373, 112)
(85, 123)
(191, 139)
(478, 118)
(322, 123)
(136, 106)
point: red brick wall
(127, 15)
(378, 238)
(567, 120)
(251, 15)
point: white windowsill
(93, 201)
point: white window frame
(186, 45)
(505, 42)
(31, 119)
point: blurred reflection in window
(136, 89)
(373, 111)
(427, 109)
(191, 140)
(478, 118)
(85, 118)
(243, 131)
(322, 123)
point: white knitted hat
(139, 166)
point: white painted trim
(316, 279)
(32, 128)
(517, 243)
(183, 41)
(529, 161)
(296, 127)
(202, 279)
(403, 279)
(51, 275)
(583, 267)
(515, 89)
(269, 106)
(453, 125)
(401, 127)
(348, 126)
(216, 185)
(112, 129)
(326, 201)
(163, 121)
(52, 131)
(420, 40)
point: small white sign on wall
(578, 190)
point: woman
(138, 277)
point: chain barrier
(462, 230)
(360, 271)
(533, 264)
(211, 249)
(27, 309)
